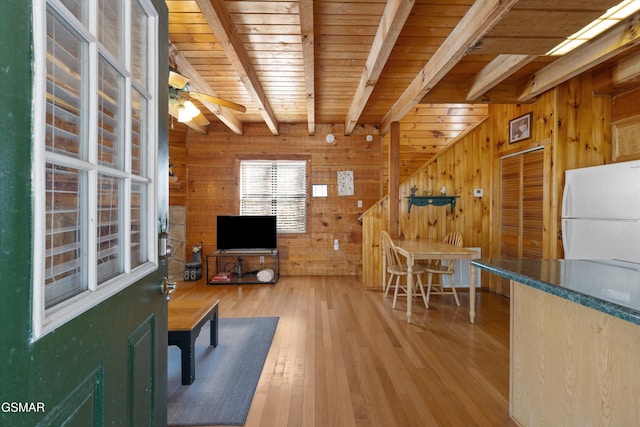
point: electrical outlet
(477, 192)
(261, 260)
(336, 245)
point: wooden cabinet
(571, 365)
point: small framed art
(520, 128)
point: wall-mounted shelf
(432, 200)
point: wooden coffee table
(186, 318)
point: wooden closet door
(532, 227)
(521, 227)
(511, 212)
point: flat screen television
(246, 232)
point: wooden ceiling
(373, 61)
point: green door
(106, 366)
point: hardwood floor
(341, 356)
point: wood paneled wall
(569, 121)
(459, 169)
(572, 124)
(178, 158)
(626, 105)
(428, 129)
(212, 180)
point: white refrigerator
(601, 212)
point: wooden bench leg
(185, 340)
(214, 327)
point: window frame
(45, 320)
(276, 159)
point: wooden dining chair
(396, 268)
(437, 267)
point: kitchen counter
(574, 348)
(612, 287)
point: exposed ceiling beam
(616, 40)
(392, 21)
(308, 54)
(198, 84)
(216, 15)
(456, 93)
(619, 76)
(495, 72)
(478, 20)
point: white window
(275, 187)
(95, 143)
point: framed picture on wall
(345, 183)
(520, 128)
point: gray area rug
(226, 376)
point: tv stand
(253, 260)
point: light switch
(477, 192)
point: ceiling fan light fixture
(183, 116)
(192, 110)
(179, 89)
(187, 111)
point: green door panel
(108, 365)
(83, 405)
(140, 375)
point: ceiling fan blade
(201, 120)
(203, 97)
(177, 80)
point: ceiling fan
(182, 108)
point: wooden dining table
(430, 249)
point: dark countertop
(609, 286)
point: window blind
(275, 187)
